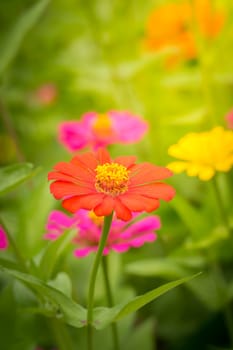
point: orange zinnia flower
(95, 182)
(171, 25)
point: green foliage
(13, 175)
(55, 303)
(104, 316)
(167, 268)
(53, 252)
(14, 39)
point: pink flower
(3, 239)
(99, 130)
(122, 236)
(229, 119)
(46, 94)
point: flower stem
(221, 207)
(61, 335)
(110, 301)
(205, 58)
(98, 257)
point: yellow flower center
(98, 220)
(102, 125)
(111, 179)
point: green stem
(221, 207)
(110, 301)
(61, 335)
(205, 58)
(98, 257)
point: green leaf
(211, 290)
(190, 216)
(63, 283)
(192, 118)
(14, 39)
(180, 80)
(57, 303)
(141, 336)
(104, 316)
(13, 175)
(165, 268)
(9, 264)
(220, 233)
(36, 206)
(53, 252)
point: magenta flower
(99, 130)
(3, 239)
(229, 119)
(122, 236)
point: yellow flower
(203, 154)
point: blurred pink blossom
(99, 130)
(229, 119)
(3, 239)
(122, 236)
(46, 94)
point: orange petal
(146, 173)
(54, 175)
(127, 161)
(82, 202)
(137, 202)
(86, 160)
(156, 190)
(106, 207)
(65, 168)
(75, 170)
(150, 204)
(67, 189)
(133, 201)
(103, 156)
(122, 212)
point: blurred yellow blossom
(204, 153)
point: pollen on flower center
(102, 125)
(97, 220)
(111, 178)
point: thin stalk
(205, 58)
(220, 203)
(91, 291)
(61, 335)
(110, 301)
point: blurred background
(171, 62)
